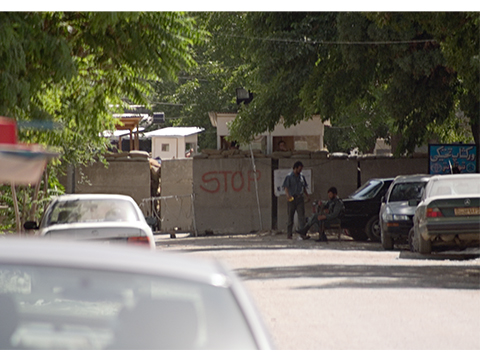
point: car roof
(453, 176)
(412, 178)
(120, 258)
(67, 197)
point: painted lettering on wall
(215, 181)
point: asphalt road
(346, 295)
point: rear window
(367, 190)
(457, 186)
(97, 210)
(407, 191)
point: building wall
(176, 146)
(307, 135)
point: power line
(323, 42)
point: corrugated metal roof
(174, 131)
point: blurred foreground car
(361, 210)
(448, 216)
(66, 295)
(102, 217)
(396, 213)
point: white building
(307, 135)
(174, 142)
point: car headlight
(393, 217)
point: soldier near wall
(295, 186)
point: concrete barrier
(230, 197)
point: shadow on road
(371, 276)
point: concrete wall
(127, 177)
(176, 188)
(391, 167)
(226, 197)
(341, 173)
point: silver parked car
(101, 217)
(396, 214)
(71, 295)
(448, 215)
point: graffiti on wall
(217, 181)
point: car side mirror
(413, 202)
(383, 199)
(30, 225)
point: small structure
(307, 135)
(129, 126)
(174, 142)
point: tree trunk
(33, 210)
(476, 138)
(15, 206)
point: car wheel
(411, 240)
(424, 247)
(387, 241)
(373, 229)
(357, 234)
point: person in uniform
(332, 212)
(295, 186)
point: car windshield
(83, 210)
(456, 186)
(407, 191)
(367, 190)
(46, 307)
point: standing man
(295, 188)
(332, 213)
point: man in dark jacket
(333, 211)
(295, 186)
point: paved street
(351, 295)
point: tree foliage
(73, 68)
(402, 75)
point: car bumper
(447, 230)
(398, 228)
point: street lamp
(244, 96)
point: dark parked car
(362, 208)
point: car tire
(373, 229)
(357, 234)
(411, 240)
(424, 247)
(387, 241)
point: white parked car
(71, 295)
(101, 217)
(448, 215)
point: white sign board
(280, 174)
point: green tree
(208, 86)
(75, 68)
(379, 74)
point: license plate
(467, 211)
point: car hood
(401, 208)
